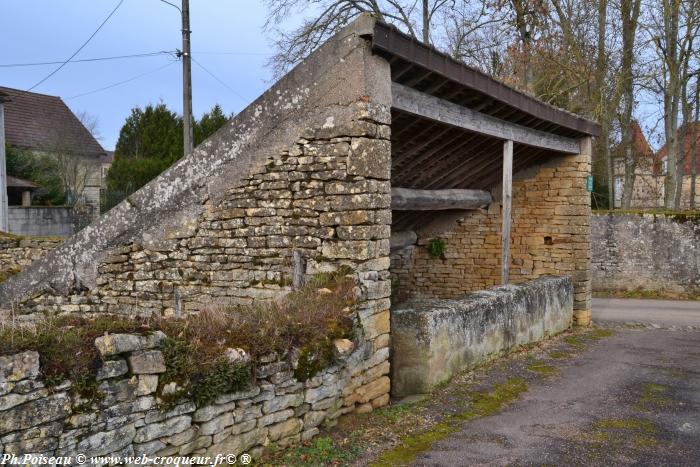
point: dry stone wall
(550, 236)
(130, 419)
(295, 185)
(650, 252)
(16, 253)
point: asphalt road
(628, 399)
(660, 312)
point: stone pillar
(26, 198)
(582, 253)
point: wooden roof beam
(407, 199)
(440, 110)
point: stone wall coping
(471, 301)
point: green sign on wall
(589, 183)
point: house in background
(44, 125)
(648, 181)
(652, 168)
(689, 159)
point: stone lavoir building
(376, 153)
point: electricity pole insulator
(188, 137)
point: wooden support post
(507, 199)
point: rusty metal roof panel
(429, 63)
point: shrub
(436, 248)
(307, 320)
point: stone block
(19, 366)
(147, 362)
(107, 442)
(114, 344)
(35, 413)
(436, 338)
(112, 369)
(166, 428)
(284, 429)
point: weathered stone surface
(113, 344)
(35, 412)
(284, 429)
(19, 366)
(434, 339)
(30, 445)
(226, 398)
(655, 252)
(159, 430)
(11, 400)
(275, 417)
(239, 443)
(180, 409)
(314, 418)
(147, 362)
(217, 424)
(210, 411)
(313, 395)
(112, 369)
(107, 442)
(147, 384)
(282, 402)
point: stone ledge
(434, 339)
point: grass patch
(614, 433)
(542, 368)
(600, 333)
(396, 413)
(560, 354)
(321, 451)
(653, 397)
(480, 404)
(577, 341)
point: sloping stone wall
(296, 184)
(128, 420)
(550, 236)
(651, 252)
(434, 339)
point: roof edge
(385, 38)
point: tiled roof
(45, 123)
(14, 182)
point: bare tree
(329, 16)
(673, 26)
(629, 13)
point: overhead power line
(79, 48)
(96, 59)
(119, 83)
(219, 80)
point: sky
(227, 40)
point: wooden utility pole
(507, 198)
(188, 137)
(3, 174)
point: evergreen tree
(149, 142)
